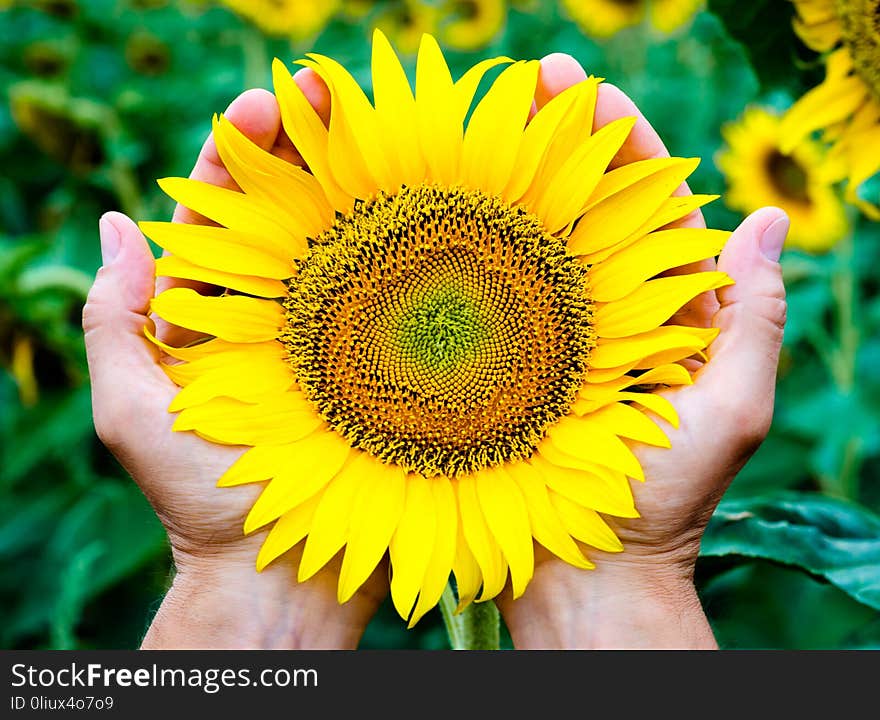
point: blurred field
(103, 96)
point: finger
(741, 374)
(318, 94)
(255, 113)
(557, 72)
(644, 143)
(122, 364)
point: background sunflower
(114, 80)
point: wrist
(625, 603)
(218, 603)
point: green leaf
(831, 539)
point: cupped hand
(217, 598)
(644, 596)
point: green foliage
(107, 97)
(834, 540)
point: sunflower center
(439, 329)
(788, 176)
(860, 20)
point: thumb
(741, 374)
(120, 359)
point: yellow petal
(242, 376)
(230, 251)
(479, 539)
(590, 485)
(412, 544)
(653, 303)
(831, 102)
(257, 464)
(602, 375)
(594, 443)
(545, 524)
(571, 132)
(508, 518)
(374, 519)
(330, 523)
(565, 194)
(276, 420)
(308, 134)
(466, 570)
(616, 217)
(296, 195)
(229, 208)
(466, 87)
(628, 422)
(657, 404)
(396, 109)
(663, 375)
(623, 272)
(234, 318)
(311, 464)
(440, 565)
(173, 266)
(290, 529)
(611, 353)
(440, 126)
(620, 178)
(495, 130)
(585, 524)
(198, 350)
(670, 211)
(536, 139)
(355, 148)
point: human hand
(217, 598)
(644, 596)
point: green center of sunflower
(788, 176)
(860, 22)
(440, 330)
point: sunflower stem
(477, 627)
(256, 57)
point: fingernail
(774, 238)
(111, 241)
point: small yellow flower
(846, 106)
(759, 173)
(296, 19)
(472, 24)
(604, 18)
(436, 340)
(405, 22)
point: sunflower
(759, 173)
(471, 24)
(846, 106)
(604, 18)
(437, 340)
(295, 19)
(406, 21)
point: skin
(642, 597)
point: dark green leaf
(832, 539)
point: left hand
(217, 600)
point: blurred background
(100, 97)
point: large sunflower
(846, 106)
(604, 18)
(758, 174)
(436, 340)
